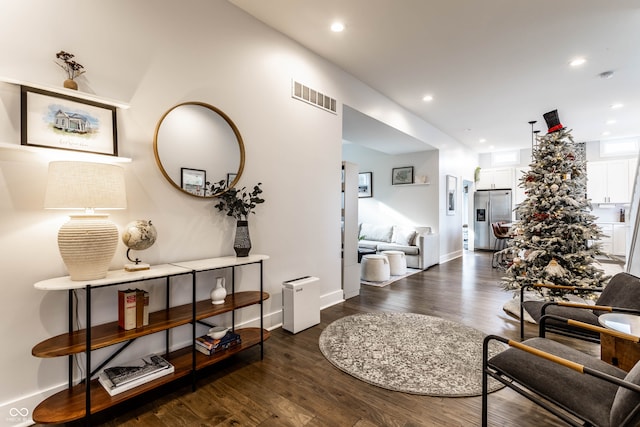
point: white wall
(460, 163)
(397, 204)
(155, 55)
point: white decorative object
(88, 241)
(375, 268)
(138, 235)
(397, 262)
(217, 332)
(219, 292)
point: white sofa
(421, 247)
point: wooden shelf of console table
(109, 334)
(69, 405)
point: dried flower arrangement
(71, 67)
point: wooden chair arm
(587, 326)
(605, 331)
(587, 306)
(568, 288)
(553, 358)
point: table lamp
(88, 241)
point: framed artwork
(452, 185)
(193, 180)
(230, 178)
(365, 184)
(402, 175)
(64, 122)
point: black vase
(242, 242)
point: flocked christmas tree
(554, 239)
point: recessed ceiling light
(337, 27)
(606, 75)
(491, 147)
(610, 122)
(577, 62)
(616, 106)
(606, 133)
(427, 98)
(482, 140)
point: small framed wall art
(452, 184)
(64, 122)
(193, 180)
(403, 175)
(365, 184)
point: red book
(127, 309)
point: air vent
(313, 97)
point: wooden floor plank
(296, 386)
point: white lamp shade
(85, 185)
(88, 241)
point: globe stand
(136, 265)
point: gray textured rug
(411, 353)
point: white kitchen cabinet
(608, 182)
(518, 191)
(619, 237)
(491, 179)
(615, 240)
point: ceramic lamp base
(87, 244)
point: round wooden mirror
(195, 145)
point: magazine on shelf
(124, 377)
(207, 345)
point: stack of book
(207, 345)
(132, 374)
(133, 308)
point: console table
(88, 397)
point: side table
(617, 351)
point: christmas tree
(555, 239)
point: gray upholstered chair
(621, 294)
(580, 389)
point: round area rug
(408, 352)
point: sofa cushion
(380, 233)
(403, 235)
(408, 250)
(368, 244)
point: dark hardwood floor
(296, 386)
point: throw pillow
(405, 236)
(379, 233)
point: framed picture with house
(60, 121)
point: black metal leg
(261, 315)
(88, 357)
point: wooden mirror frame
(233, 127)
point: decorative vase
(70, 84)
(219, 292)
(242, 242)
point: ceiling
(492, 65)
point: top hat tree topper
(553, 121)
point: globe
(139, 235)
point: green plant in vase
(238, 204)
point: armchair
(577, 388)
(622, 294)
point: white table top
(621, 322)
(156, 271)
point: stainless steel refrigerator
(489, 206)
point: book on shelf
(207, 345)
(133, 308)
(118, 379)
(127, 309)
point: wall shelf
(69, 92)
(56, 154)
